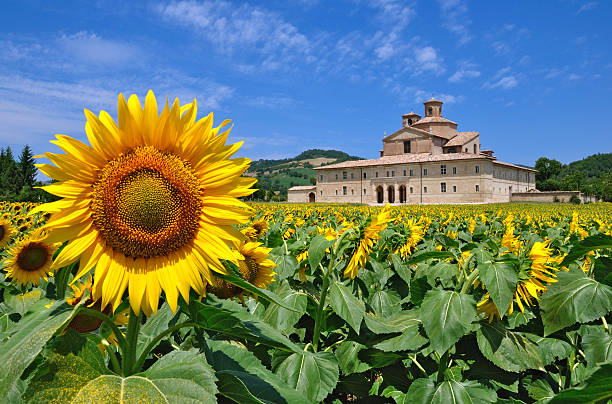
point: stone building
(426, 161)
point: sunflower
(151, 203)
(257, 229)
(416, 234)
(84, 323)
(530, 285)
(7, 231)
(367, 241)
(30, 259)
(255, 266)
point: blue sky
(534, 78)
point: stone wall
(301, 194)
(549, 196)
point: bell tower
(433, 108)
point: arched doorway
(402, 190)
(391, 194)
(379, 194)
(311, 197)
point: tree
(547, 168)
(9, 176)
(27, 169)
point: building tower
(409, 119)
(433, 108)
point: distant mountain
(275, 177)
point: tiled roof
(433, 119)
(433, 100)
(501, 163)
(462, 138)
(302, 188)
(411, 113)
(405, 159)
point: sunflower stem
(155, 341)
(129, 357)
(121, 341)
(442, 366)
(319, 315)
(469, 281)
(113, 360)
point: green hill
(591, 175)
(275, 177)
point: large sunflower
(30, 259)
(150, 203)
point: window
(411, 172)
(443, 187)
(343, 190)
(376, 174)
(454, 188)
(429, 111)
(424, 171)
(321, 192)
(387, 173)
(477, 169)
(352, 192)
(475, 148)
(409, 123)
(404, 173)
(364, 176)
(364, 191)
(336, 192)
(411, 190)
(320, 178)
(477, 188)
(425, 190)
(344, 175)
(454, 170)
(393, 173)
(336, 176)
(407, 145)
(443, 169)
(352, 176)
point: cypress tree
(27, 169)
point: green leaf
(313, 374)
(21, 302)
(61, 277)
(446, 316)
(154, 326)
(590, 243)
(385, 302)
(348, 359)
(444, 271)
(409, 339)
(244, 379)
(538, 389)
(512, 351)
(574, 298)
(597, 346)
(346, 305)
(34, 330)
(177, 377)
(519, 318)
(229, 318)
(418, 288)
(281, 318)
(426, 391)
(596, 388)
(378, 359)
(402, 269)
(262, 293)
(286, 266)
(499, 278)
(429, 255)
(317, 248)
(390, 324)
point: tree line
(591, 176)
(18, 178)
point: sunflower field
(149, 281)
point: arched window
(429, 111)
(409, 122)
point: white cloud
(455, 17)
(463, 74)
(427, 59)
(90, 48)
(422, 96)
(271, 102)
(574, 76)
(505, 82)
(394, 12)
(587, 6)
(242, 30)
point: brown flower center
(33, 256)
(146, 203)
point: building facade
(426, 161)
